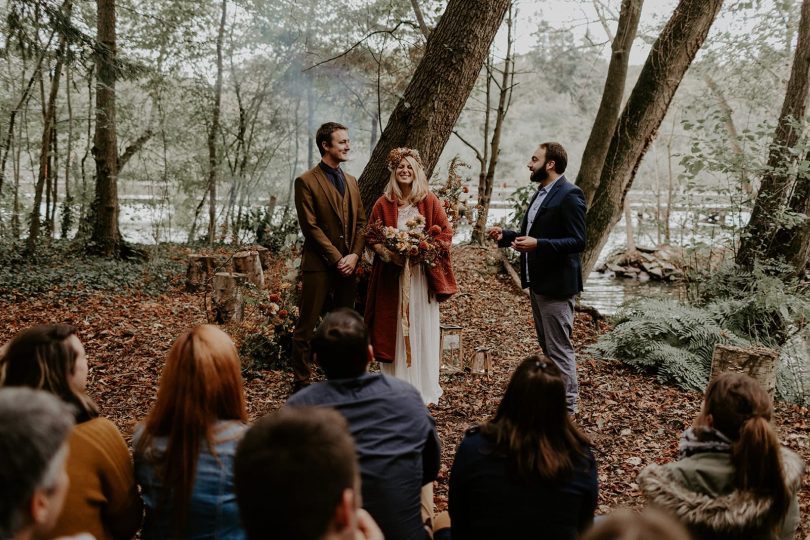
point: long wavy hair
(739, 408)
(419, 189)
(531, 426)
(41, 357)
(201, 384)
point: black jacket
(554, 267)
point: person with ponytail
(528, 472)
(185, 449)
(733, 479)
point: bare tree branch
(350, 49)
(478, 155)
(133, 148)
(420, 18)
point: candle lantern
(451, 348)
(481, 363)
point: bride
(402, 310)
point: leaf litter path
(631, 418)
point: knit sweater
(382, 301)
(102, 498)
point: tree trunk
(758, 363)
(47, 139)
(760, 238)
(249, 263)
(67, 205)
(504, 101)
(213, 160)
(604, 125)
(227, 297)
(6, 143)
(797, 239)
(424, 117)
(731, 128)
(670, 57)
(199, 271)
(105, 237)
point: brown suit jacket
(332, 225)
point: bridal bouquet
(414, 242)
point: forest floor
(127, 330)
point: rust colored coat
(382, 303)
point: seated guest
(296, 477)
(184, 450)
(397, 444)
(733, 479)
(102, 498)
(34, 430)
(528, 472)
(629, 525)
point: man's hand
(525, 243)
(346, 265)
(367, 529)
(495, 233)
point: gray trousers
(554, 323)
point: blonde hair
(419, 188)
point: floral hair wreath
(396, 155)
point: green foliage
(59, 270)
(670, 339)
(268, 340)
(520, 204)
(276, 237)
(732, 306)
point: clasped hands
(521, 243)
(347, 264)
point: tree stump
(199, 271)
(264, 256)
(248, 263)
(756, 362)
(226, 298)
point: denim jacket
(212, 513)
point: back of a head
(532, 425)
(628, 525)
(291, 471)
(739, 407)
(34, 426)
(42, 358)
(201, 383)
(340, 344)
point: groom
(551, 237)
(331, 216)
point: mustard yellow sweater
(102, 498)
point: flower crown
(396, 155)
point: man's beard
(539, 175)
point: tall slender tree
(593, 157)
(213, 134)
(670, 57)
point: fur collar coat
(699, 492)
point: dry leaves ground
(632, 419)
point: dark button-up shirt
(397, 445)
(335, 176)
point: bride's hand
(397, 258)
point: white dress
(424, 331)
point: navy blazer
(554, 268)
